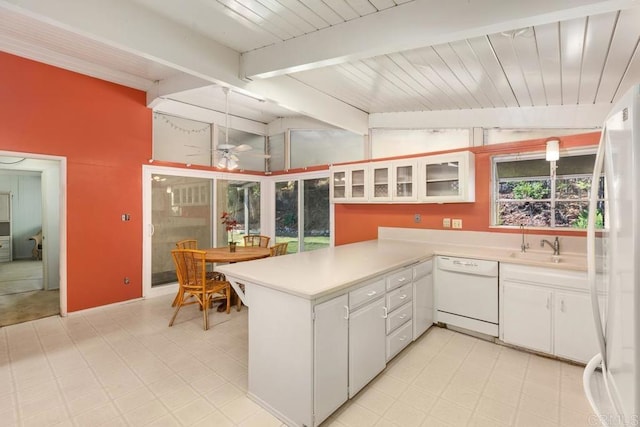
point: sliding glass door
(302, 208)
(181, 209)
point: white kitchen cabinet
(367, 339)
(547, 310)
(441, 178)
(5, 248)
(331, 347)
(350, 184)
(527, 316)
(405, 181)
(575, 337)
(447, 178)
(422, 298)
(380, 179)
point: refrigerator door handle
(587, 375)
(591, 242)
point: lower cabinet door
(330, 343)
(575, 334)
(527, 316)
(367, 336)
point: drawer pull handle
(403, 338)
(403, 296)
(386, 313)
(346, 312)
(402, 279)
(403, 316)
(562, 306)
(372, 293)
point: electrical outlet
(457, 223)
(417, 218)
(446, 222)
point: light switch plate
(446, 222)
(457, 223)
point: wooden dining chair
(279, 249)
(195, 288)
(256, 240)
(187, 244)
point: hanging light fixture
(553, 149)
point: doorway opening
(31, 286)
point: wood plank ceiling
(585, 53)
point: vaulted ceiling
(352, 64)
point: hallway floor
(123, 366)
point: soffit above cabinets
(342, 61)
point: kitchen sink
(545, 257)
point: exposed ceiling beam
(125, 25)
(412, 25)
(297, 96)
(568, 116)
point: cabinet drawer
(399, 317)
(399, 339)
(400, 296)
(400, 278)
(366, 293)
(422, 269)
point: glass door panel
(181, 209)
(241, 199)
(316, 214)
(339, 184)
(287, 214)
(442, 179)
(381, 183)
(404, 181)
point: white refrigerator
(612, 377)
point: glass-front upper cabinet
(349, 183)
(338, 185)
(404, 180)
(380, 175)
(447, 178)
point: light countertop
(321, 272)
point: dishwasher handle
(475, 267)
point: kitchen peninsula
(322, 324)
(318, 322)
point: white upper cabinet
(350, 184)
(405, 180)
(447, 178)
(380, 179)
(442, 178)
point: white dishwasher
(466, 294)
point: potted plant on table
(230, 223)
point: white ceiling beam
(569, 116)
(296, 96)
(412, 25)
(178, 83)
(127, 26)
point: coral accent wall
(104, 131)
(358, 222)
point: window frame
(552, 200)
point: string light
(179, 128)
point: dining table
(241, 253)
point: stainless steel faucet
(524, 246)
(555, 245)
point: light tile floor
(122, 366)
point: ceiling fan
(228, 158)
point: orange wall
(104, 131)
(355, 223)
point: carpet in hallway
(18, 308)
